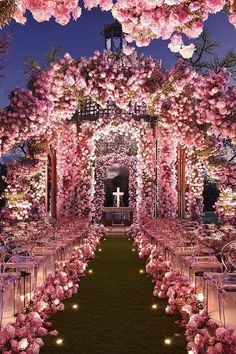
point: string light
(59, 341)
(154, 306)
(75, 306)
(90, 271)
(141, 271)
(99, 250)
(133, 249)
(167, 341)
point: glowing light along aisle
(116, 310)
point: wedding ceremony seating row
(27, 257)
(195, 249)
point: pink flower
(215, 5)
(10, 330)
(53, 333)
(128, 49)
(194, 6)
(221, 332)
(219, 348)
(232, 19)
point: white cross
(118, 194)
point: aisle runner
(115, 312)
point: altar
(117, 216)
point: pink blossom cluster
(204, 335)
(142, 21)
(25, 335)
(44, 10)
(167, 194)
(145, 20)
(195, 185)
(226, 205)
(120, 78)
(185, 101)
(25, 191)
(147, 186)
(68, 170)
(25, 117)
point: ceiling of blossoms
(119, 143)
(142, 21)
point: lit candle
(167, 341)
(59, 341)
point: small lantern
(23, 292)
(114, 37)
(9, 284)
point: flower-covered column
(181, 180)
(226, 205)
(167, 175)
(25, 191)
(195, 183)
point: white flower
(23, 344)
(187, 51)
(56, 302)
(176, 43)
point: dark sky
(82, 38)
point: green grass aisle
(115, 314)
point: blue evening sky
(82, 38)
